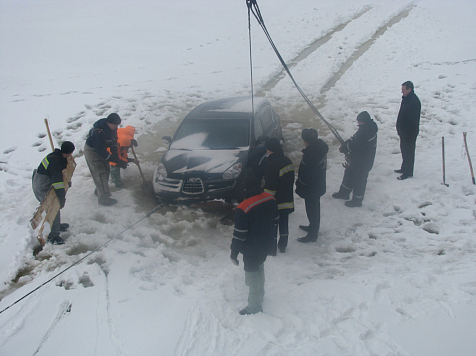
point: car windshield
(212, 134)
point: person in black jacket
(256, 220)
(257, 161)
(50, 173)
(408, 127)
(279, 182)
(311, 182)
(360, 150)
(102, 136)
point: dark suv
(209, 150)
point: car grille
(193, 186)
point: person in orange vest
(125, 139)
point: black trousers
(252, 263)
(283, 228)
(313, 212)
(355, 179)
(407, 147)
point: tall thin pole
(469, 158)
(443, 158)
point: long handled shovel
(146, 186)
(469, 158)
(443, 156)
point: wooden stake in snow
(469, 158)
(443, 157)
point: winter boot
(405, 176)
(109, 202)
(354, 203)
(283, 243)
(307, 238)
(55, 239)
(343, 193)
(247, 311)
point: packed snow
(395, 277)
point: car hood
(206, 161)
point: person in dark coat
(279, 182)
(311, 181)
(360, 149)
(258, 160)
(256, 220)
(50, 174)
(408, 127)
(102, 136)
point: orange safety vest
(124, 137)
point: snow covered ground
(395, 277)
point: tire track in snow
(64, 309)
(204, 332)
(314, 46)
(364, 47)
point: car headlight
(233, 172)
(161, 172)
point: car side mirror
(166, 140)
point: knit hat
(67, 147)
(364, 117)
(113, 119)
(309, 135)
(273, 145)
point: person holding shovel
(103, 135)
(125, 140)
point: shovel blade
(148, 189)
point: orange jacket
(124, 137)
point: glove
(134, 143)
(234, 258)
(62, 203)
(121, 164)
(114, 151)
(70, 184)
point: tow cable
(254, 9)
(82, 259)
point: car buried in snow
(207, 155)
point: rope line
(82, 259)
(253, 8)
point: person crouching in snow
(256, 222)
(50, 173)
(360, 149)
(125, 140)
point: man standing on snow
(360, 149)
(256, 220)
(408, 127)
(102, 136)
(311, 182)
(50, 173)
(279, 182)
